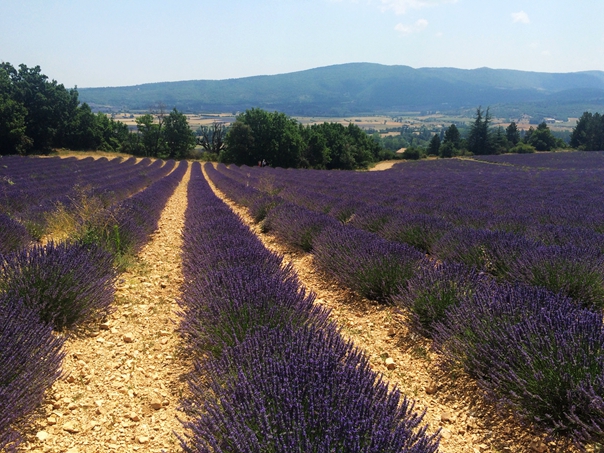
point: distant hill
(367, 88)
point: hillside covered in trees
(357, 88)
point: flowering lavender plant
(13, 235)
(31, 358)
(537, 351)
(297, 225)
(299, 389)
(365, 262)
(435, 287)
(67, 283)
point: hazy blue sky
(92, 43)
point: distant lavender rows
(61, 285)
(30, 189)
(546, 360)
(272, 373)
(509, 221)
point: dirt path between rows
(123, 382)
(453, 403)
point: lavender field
(497, 262)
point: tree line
(37, 115)
(483, 139)
(258, 137)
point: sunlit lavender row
(272, 373)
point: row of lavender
(31, 189)
(47, 291)
(272, 372)
(540, 227)
(536, 350)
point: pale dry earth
(123, 378)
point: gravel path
(123, 378)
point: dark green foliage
(434, 146)
(179, 137)
(522, 148)
(512, 134)
(259, 136)
(37, 115)
(541, 138)
(479, 138)
(413, 153)
(588, 135)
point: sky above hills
(127, 42)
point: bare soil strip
(453, 403)
(124, 378)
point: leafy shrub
(292, 389)
(538, 352)
(365, 262)
(67, 283)
(522, 148)
(434, 288)
(31, 357)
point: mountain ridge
(368, 88)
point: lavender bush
(66, 283)
(435, 288)
(365, 262)
(538, 352)
(13, 235)
(418, 230)
(272, 373)
(575, 272)
(495, 252)
(292, 389)
(31, 357)
(297, 225)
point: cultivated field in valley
(307, 299)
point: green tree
(453, 136)
(13, 138)
(240, 145)
(315, 153)
(512, 134)
(499, 142)
(588, 134)
(541, 138)
(479, 138)
(177, 135)
(152, 143)
(272, 137)
(434, 146)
